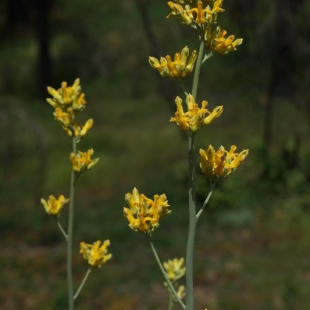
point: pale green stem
(197, 69)
(171, 301)
(181, 82)
(192, 197)
(165, 275)
(70, 235)
(83, 282)
(62, 230)
(212, 184)
(192, 227)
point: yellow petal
(215, 113)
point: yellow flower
(217, 42)
(195, 117)
(175, 269)
(82, 160)
(66, 118)
(67, 96)
(79, 131)
(178, 68)
(54, 206)
(181, 291)
(217, 7)
(199, 12)
(96, 254)
(220, 163)
(143, 213)
(178, 10)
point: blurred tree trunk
(44, 59)
(16, 13)
(282, 63)
(282, 58)
(240, 16)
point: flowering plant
(142, 213)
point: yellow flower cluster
(202, 15)
(67, 102)
(175, 268)
(82, 161)
(95, 254)
(195, 117)
(54, 206)
(217, 41)
(178, 68)
(220, 163)
(144, 213)
(79, 131)
(196, 12)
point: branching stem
(62, 230)
(83, 282)
(212, 185)
(165, 275)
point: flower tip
(218, 110)
(76, 82)
(245, 153)
(215, 113)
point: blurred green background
(252, 241)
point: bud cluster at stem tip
(202, 16)
(67, 102)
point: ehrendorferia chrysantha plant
(144, 214)
(68, 102)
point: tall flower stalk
(192, 224)
(192, 195)
(68, 102)
(70, 234)
(202, 17)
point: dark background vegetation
(253, 240)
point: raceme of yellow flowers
(67, 102)
(82, 161)
(202, 16)
(178, 68)
(54, 206)
(220, 163)
(144, 213)
(175, 268)
(195, 117)
(96, 254)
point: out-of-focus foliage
(254, 238)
